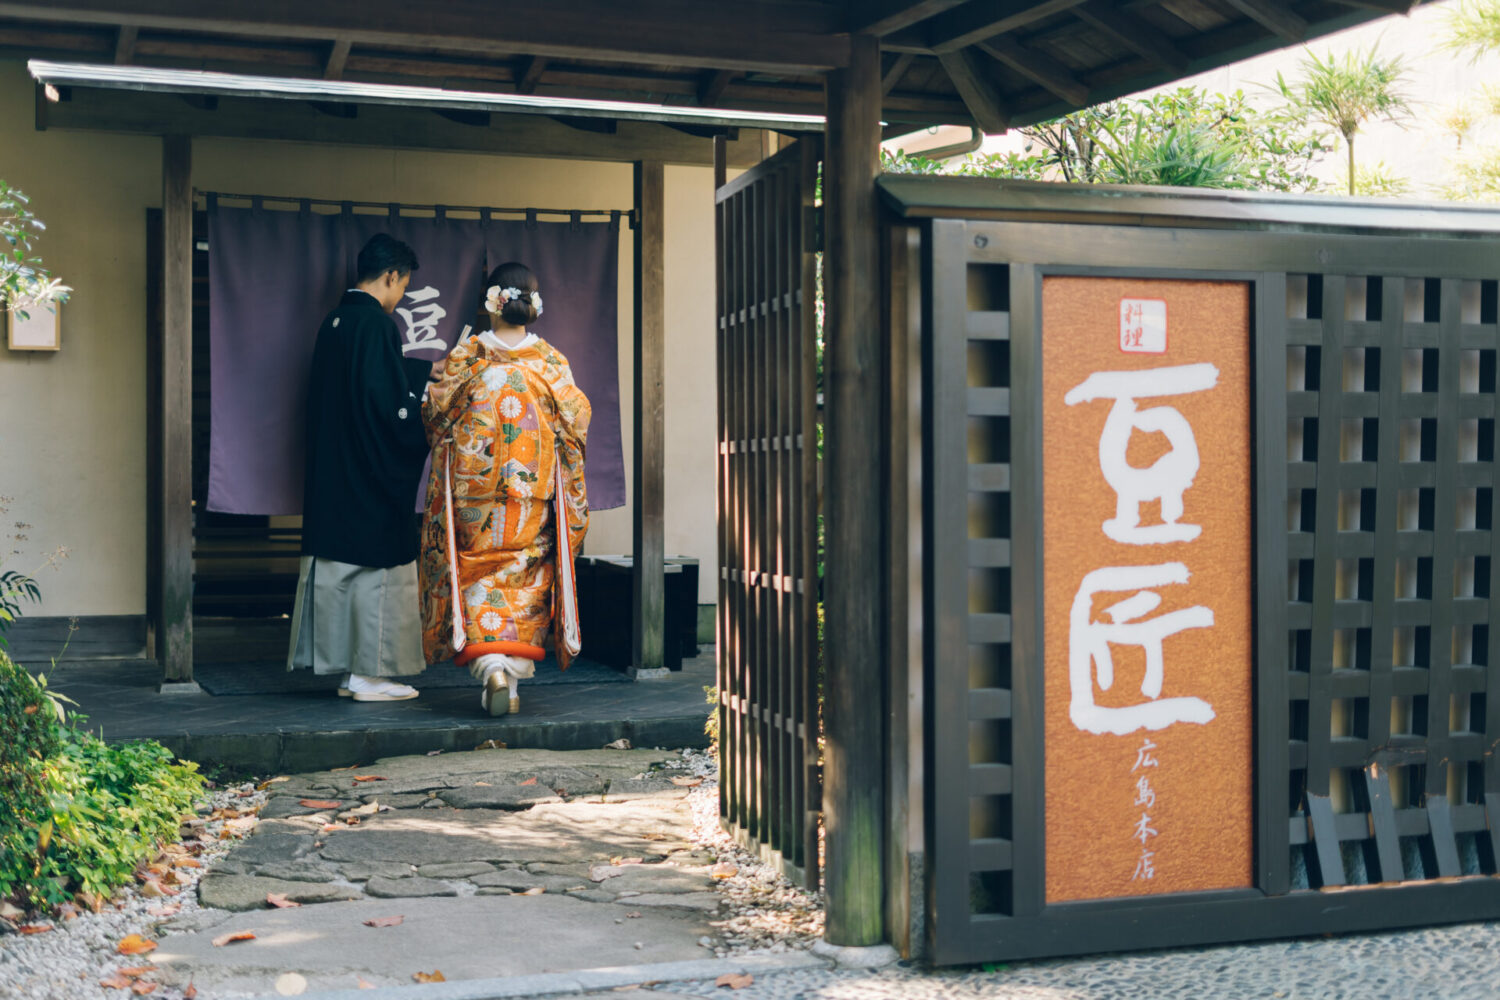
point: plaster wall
(73, 423)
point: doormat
(272, 677)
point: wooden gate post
(648, 521)
(854, 682)
(173, 489)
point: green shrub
(33, 735)
(88, 812)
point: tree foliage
(1343, 93)
(1187, 137)
(1473, 26)
(24, 283)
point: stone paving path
(498, 862)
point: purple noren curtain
(273, 275)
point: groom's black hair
(382, 253)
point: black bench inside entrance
(606, 589)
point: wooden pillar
(173, 488)
(853, 507)
(650, 440)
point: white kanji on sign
(422, 321)
(1089, 653)
(1143, 326)
(1166, 479)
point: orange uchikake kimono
(507, 429)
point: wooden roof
(995, 63)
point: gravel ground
(69, 961)
(1443, 963)
(766, 911)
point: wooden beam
(711, 89)
(1384, 6)
(125, 44)
(648, 523)
(853, 509)
(898, 69)
(1039, 68)
(979, 91)
(1133, 32)
(750, 35)
(174, 603)
(389, 127)
(1274, 16)
(978, 21)
(886, 16)
(338, 57)
(530, 74)
(464, 116)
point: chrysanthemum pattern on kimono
(502, 425)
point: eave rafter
(1133, 32)
(980, 93)
(748, 36)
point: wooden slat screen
(1377, 660)
(768, 504)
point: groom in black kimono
(357, 606)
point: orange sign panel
(1147, 537)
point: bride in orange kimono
(507, 425)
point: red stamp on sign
(1143, 326)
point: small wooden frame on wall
(41, 330)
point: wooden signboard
(1147, 542)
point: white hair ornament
(495, 298)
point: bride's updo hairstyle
(500, 286)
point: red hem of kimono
(504, 646)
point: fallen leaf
(429, 977)
(633, 915)
(734, 981)
(69, 911)
(137, 971)
(491, 745)
(352, 821)
(482, 784)
(232, 937)
(529, 781)
(655, 836)
(135, 945)
(351, 767)
(165, 911)
(272, 781)
(620, 744)
(319, 803)
(364, 983)
(385, 921)
(369, 809)
(330, 827)
(115, 981)
(191, 992)
(247, 793)
(724, 870)
(140, 988)
(188, 863)
(368, 777)
(535, 890)
(687, 782)
(35, 928)
(430, 753)
(280, 901)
